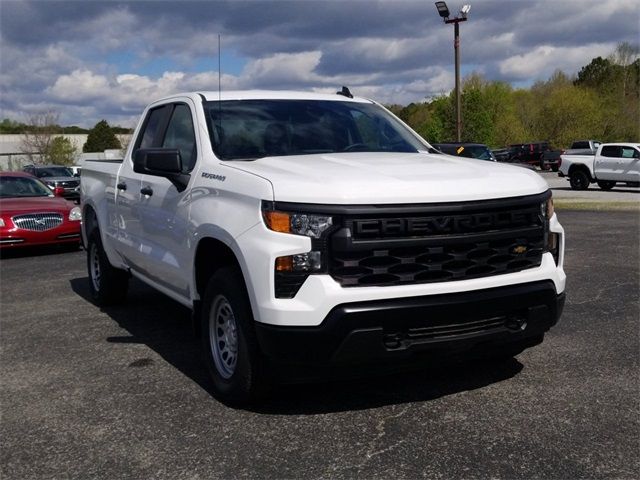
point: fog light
(553, 243)
(301, 262)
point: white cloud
(282, 67)
(545, 59)
(79, 85)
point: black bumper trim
(383, 330)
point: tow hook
(515, 322)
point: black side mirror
(161, 162)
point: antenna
(219, 93)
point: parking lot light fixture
(443, 11)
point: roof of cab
(270, 95)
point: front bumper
(68, 232)
(395, 330)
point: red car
(31, 214)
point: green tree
(562, 112)
(596, 74)
(61, 151)
(101, 137)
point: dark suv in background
(57, 176)
(468, 150)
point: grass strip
(562, 204)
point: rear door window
(611, 151)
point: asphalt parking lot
(121, 393)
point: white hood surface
(390, 178)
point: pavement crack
(602, 292)
(373, 449)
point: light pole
(443, 10)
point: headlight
(291, 271)
(75, 214)
(309, 225)
(1, 222)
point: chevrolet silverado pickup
(313, 230)
(612, 163)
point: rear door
(606, 163)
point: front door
(128, 217)
(164, 211)
(629, 165)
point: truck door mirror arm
(161, 162)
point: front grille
(470, 241)
(69, 184)
(37, 222)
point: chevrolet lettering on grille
(391, 227)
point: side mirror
(161, 162)
(58, 191)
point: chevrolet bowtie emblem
(519, 249)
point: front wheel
(229, 344)
(579, 180)
(606, 184)
(108, 285)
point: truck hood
(388, 178)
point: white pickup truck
(612, 163)
(316, 230)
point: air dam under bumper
(398, 329)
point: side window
(180, 134)
(149, 137)
(628, 152)
(611, 151)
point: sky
(90, 60)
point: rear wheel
(555, 168)
(606, 184)
(107, 284)
(579, 180)
(229, 344)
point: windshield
(251, 129)
(45, 172)
(23, 187)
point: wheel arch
(583, 168)
(211, 254)
(89, 220)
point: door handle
(146, 191)
(121, 186)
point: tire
(606, 185)
(579, 180)
(228, 340)
(554, 168)
(108, 285)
